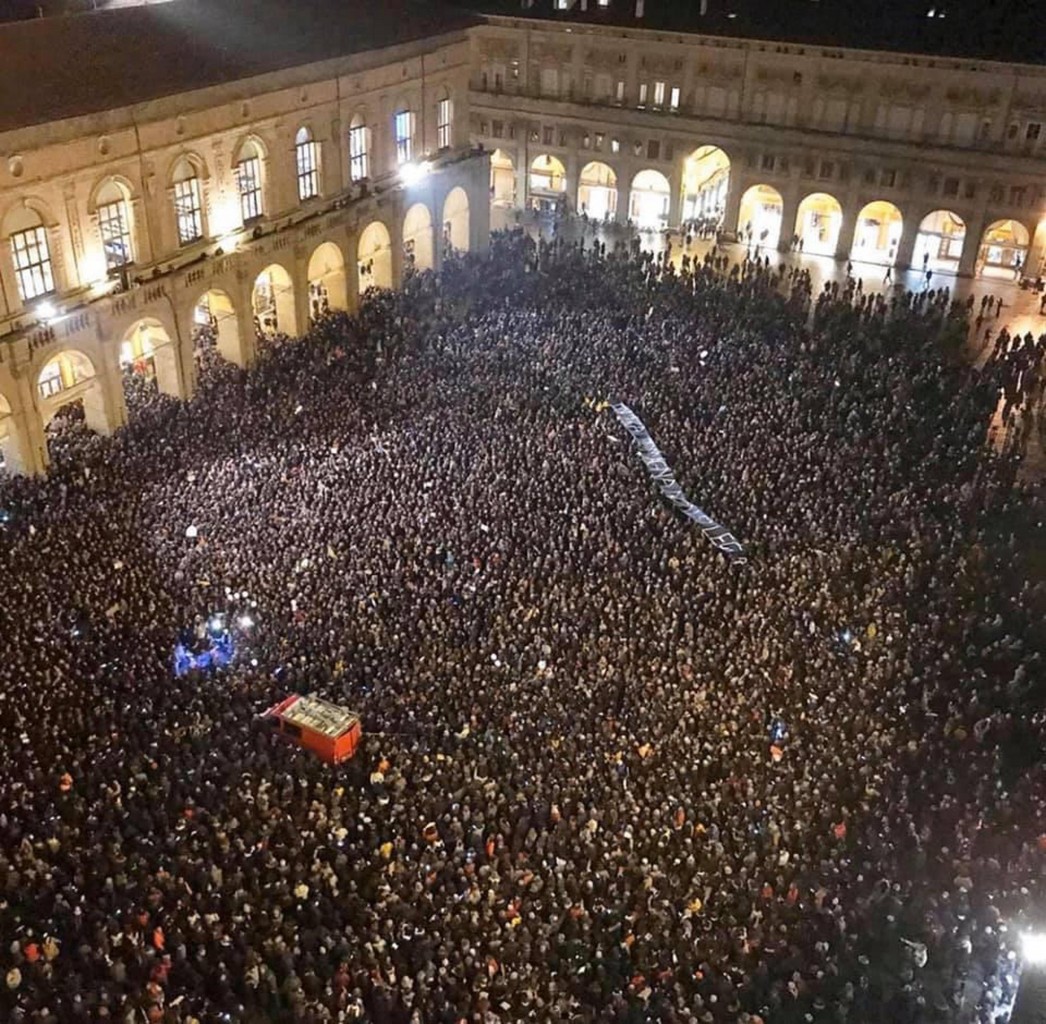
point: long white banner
(655, 463)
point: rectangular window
(248, 181)
(599, 140)
(653, 149)
(549, 81)
(619, 92)
(768, 161)
(497, 129)
(358, 157)
(888, 178)
(443, 137)
(673, 100)
(827, 169)
(188, 210)
(659, 94)
(404, 125)
(951, 187)
(546, 136)
(615, 146)
(642, 94)
(1031, 133)
(308, 170)
(1017, 195)
(116, 235)
(586, 141)
(50, 380)
(32, 261)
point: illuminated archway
(649, 200)
(939, 243)
(502, 179)
(1004, 249)
(760, 214)
(326, 273)
(706, 179)
(597, 191)
(548, 177)
(272, 302)
(817, 223)
(877, 233)
(148, 351)
(456, 220)
(217, 327)
(374, 257)
(417, 238)
(67, 378)
(9, 455)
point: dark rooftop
(54, 68)
(1007, 30)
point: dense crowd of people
(606, 776)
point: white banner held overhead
(655, 463)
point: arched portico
(939, 243)
(502, 179)
(706, 180)
(148, 351)
(649, 200)
(597, 191)
(877, 233)
(759, 217)
(817, 223)
(272, 302)
(217, 325)
(374, 257)
(548, 181)
(456, 220)
(1004, 249)
(68, 376)
(328, 288)
(417, 238)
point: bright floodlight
(246, 622)
(1033, 947)
(46, 311)
(411, 174)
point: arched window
(30, 253)
(444, 122)
(249, 181)
(188, 207)
(403, 125)
(114, 225)
(306, 152)
(359, 149)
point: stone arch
(23, 210)
(502, 179)
(249, 144)
(10, 448)
(418, 252)
(272, 302)
(939, 242)
(67, 376)
(877, 233)
(328, 288)
(189, 163)
(817, 223)
(217, 325)
(548, 178)
(706, 181)
(456, 220)
(760, 214)
(148, 350)
(1004, 249)
(374, 257)
(650, 199)
(111, 208)
(597, 191)
(98, 197)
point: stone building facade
(888, 158)
(248, 204)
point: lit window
(116, 236)
(642, 94)
(188, 210)
(114, 226)
(248, 182)
(619, 92)
(673, 102)
(359, 160)
(50, 382)
(404, 125)
(599, 140)
(603, 3)
(32, 260)
(306, 158)
(443, 137)
(562, 5)
(615, 146)
(659, 94)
